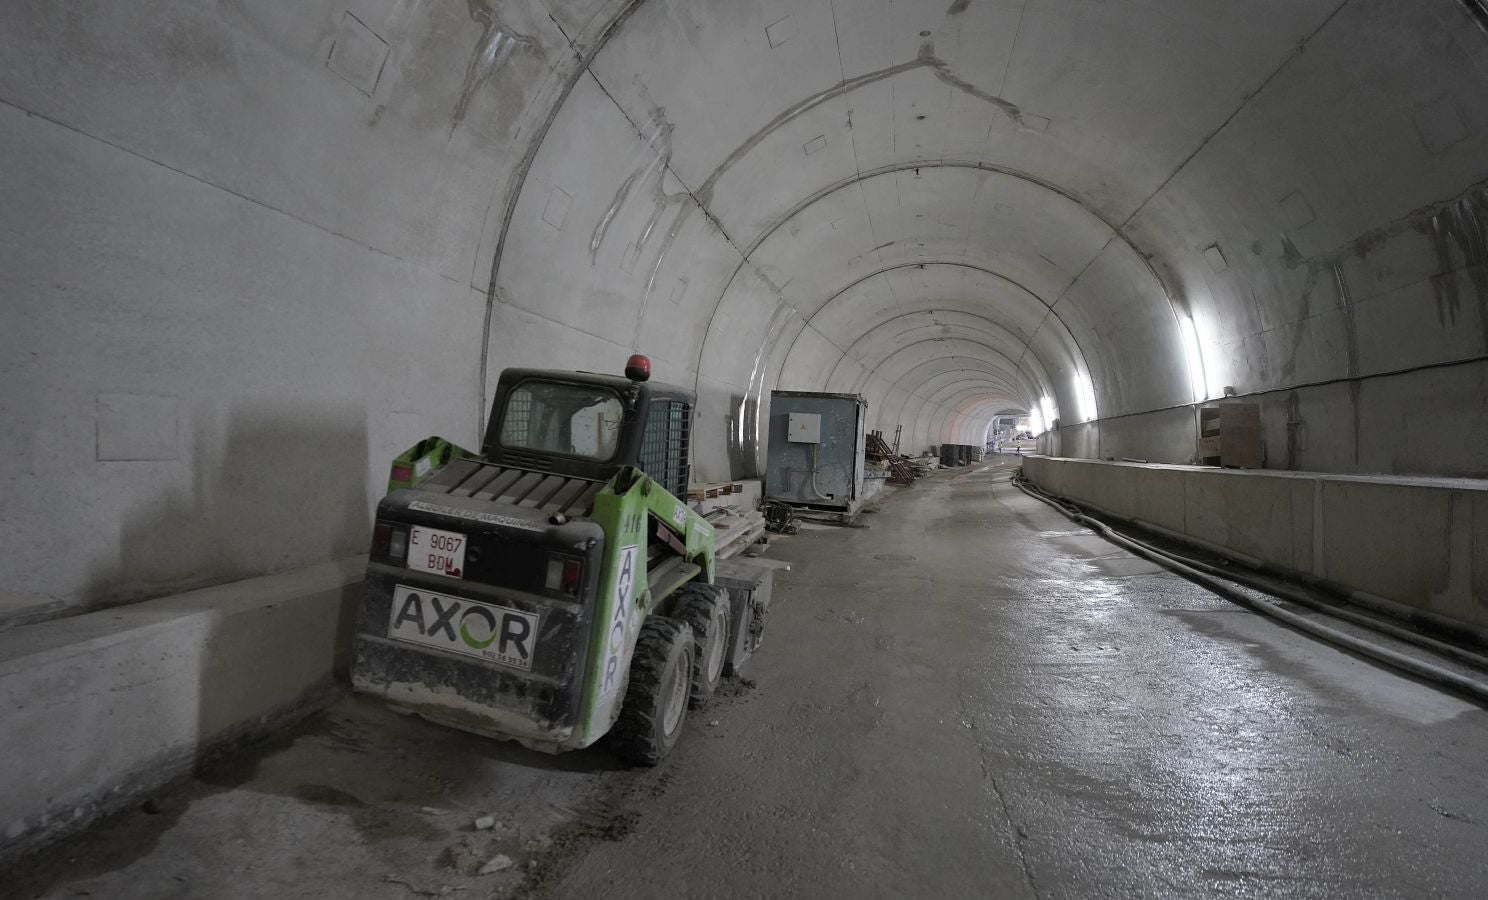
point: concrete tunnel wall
(252, 251)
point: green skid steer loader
(554, 588)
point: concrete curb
(1411, 547)
(101, 709)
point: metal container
(815, 456)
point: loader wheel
(656, 698)
(706, 608)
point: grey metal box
(825, 475)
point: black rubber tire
(663, 653)
(706, 608)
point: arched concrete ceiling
(1110, 206)
(340, 222)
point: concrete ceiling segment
(1041, 72)
(959, 412)
(960, 398)
(814, 369)
(910, 327)
(910, 393)
(907, 402)
(888, 373)
(1046, 238)
(897, 389)
(964, 421)
(1022, 230)
(879, 378)
(949, 287)
(1043, 237)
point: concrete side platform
(100, 709)
(1412, 546)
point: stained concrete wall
(1416, 543)
(245, 254)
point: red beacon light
(638, 368)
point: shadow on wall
(280, 488)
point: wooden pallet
(713, 489)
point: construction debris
(900, 469)
(498, 863)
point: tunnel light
(1041, 417)
(1195, 356)
(1085, 394)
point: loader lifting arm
(689, 533)
(623, 508)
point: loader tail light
(389, 542)
(401, 475)
(564, 575)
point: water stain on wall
(1457, 235)
(497, 42)
(650, 177)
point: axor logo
(506, 636)
(618, 632)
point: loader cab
(587, 425)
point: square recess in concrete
(1216, 258)
(780, 31)
(357, 54)
(1035, 123)
(1439, 124)
(1296, 212)
(136, 427)
(556, 210)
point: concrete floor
(969, 697)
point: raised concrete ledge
(98, 710)
(1415, 547)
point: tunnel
(254, 251)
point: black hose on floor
(1192, 570)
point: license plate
(495, 633)
(439, 552)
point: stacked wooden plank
(735, 531)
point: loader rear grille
(665, 445)
(542, 491)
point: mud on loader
(552, 589)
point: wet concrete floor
(969, 697)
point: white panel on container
(804, 428)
